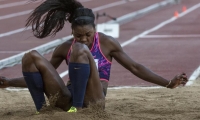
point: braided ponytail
(49, 17)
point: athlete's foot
(3, 82)
(72, 109)
(37, 113)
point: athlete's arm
(56, 58)
(13, 82)
(60, 54)
(139, 70)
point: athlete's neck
(91, 44)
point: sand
(182, 103)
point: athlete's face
(84, 34)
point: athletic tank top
(103, 64)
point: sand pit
(182, 103)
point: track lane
(25, 40)
(25, 11)
(150, 52)
(167, 57)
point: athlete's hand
(4, 82)
(178, 80)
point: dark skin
(111, 49)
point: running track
(169, 50)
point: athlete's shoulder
(108, 42)
(106, 39)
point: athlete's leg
(53, 85)
(81, 55)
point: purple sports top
(103, 64)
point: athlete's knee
(30, 54)
(79, 53)
(34, 54)
(28, 61)
(79, 48)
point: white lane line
(84, 0)
(27, 12)
(109, 88)
(154, 29)
(127, 87)
(64, 74)
(16, 4)
(171, 36)
(27, 2)
(15, 14)
(16, 89)
(14, 32)
(194, 76)
(109, 5)
(11, 51)
(160, 25)
(12, 4)
(94, 9)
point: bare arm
(60, 53)
(57, 58)
(138, 69)
(13, 82)
(141, 71)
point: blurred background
(163, 35)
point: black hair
(49, 17)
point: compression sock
(79, 75)
(35, 85)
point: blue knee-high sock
(35, 85)
(78, 74)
